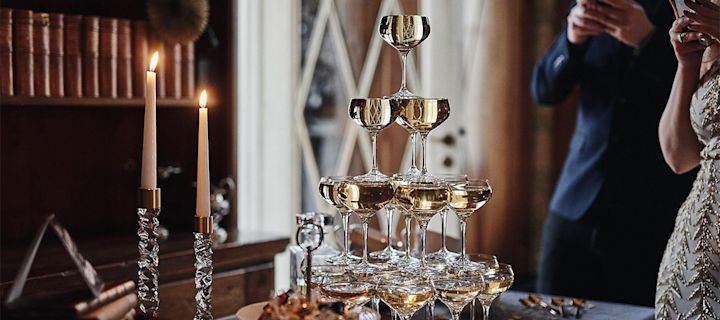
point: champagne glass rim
(404, 15)
(335, 178)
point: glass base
(387, 254)
(467, 265)
(372, 176)
(344, 259)
(442, 256)
(366, 268)
(403, 93)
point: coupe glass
(478, 265)
(407, 260)
(444, 255)
(466, 198)
(423, 115)
(423, 200)
(325, 274)
(329, 190)
(389, 254)
(404, 32)
(365, 199)
(373, 114)
(457, 291)
(497, 280)
(352, 293)
(406, 295)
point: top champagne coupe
(404, 32)
(374, 114)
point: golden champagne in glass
(405, 298)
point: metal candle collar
(149, 198)
(204, 224)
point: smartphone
(681, 7)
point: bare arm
(678, 141)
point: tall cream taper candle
(148, 177)
(203, 161)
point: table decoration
(149, 204)
(203, 220)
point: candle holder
(147, 286)
(203, 267)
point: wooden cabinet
(243, 269)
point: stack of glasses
(403, 282)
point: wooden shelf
(93, 102)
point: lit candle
(203, 161)
(148, 177)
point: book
(91, 47)
(188, 70)
(6, 52)
(73, 55)
(112, 303)
(57, 52)
(140, 57)
(106, 296)
(124, 60)
(173, 73)
(155, 43)
(108, 57)
(115, 310)
(41, 54)
(23, 52)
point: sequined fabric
(688, 285)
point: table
(509, 307)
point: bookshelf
(93, 102)
(79, 157)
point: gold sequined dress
(688, 285)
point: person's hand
(581, 24)
(705, 19)
(687, 48)
(625, 20)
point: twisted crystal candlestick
(203, 267)
(147, 285)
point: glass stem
(403, 58)
(443, 215)
(408, 222)
(486, 310)
(423, 144)
(346, 231)
(432, 309)
(365, 241)
(423, 241)
(389, 213)
(413, 151)
(463, 252)
(472, 310)
(373, 141)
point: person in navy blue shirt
(615, 202)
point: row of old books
(118, 302)
(57, 55)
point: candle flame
(154, 61)
(203, 99)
